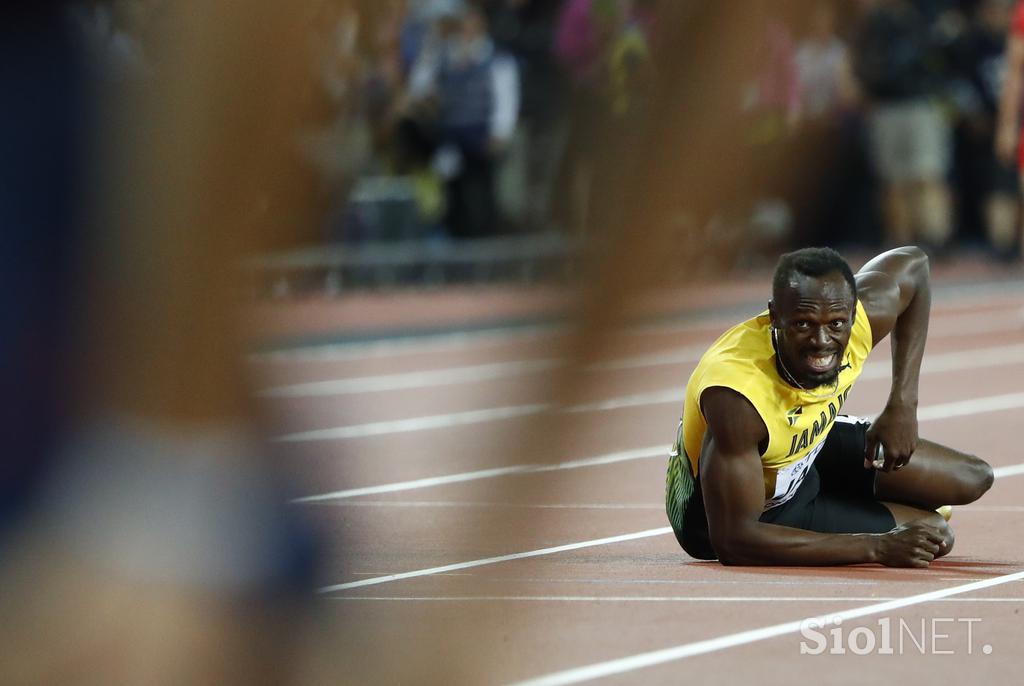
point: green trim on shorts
(679, 487)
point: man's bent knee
(975, 479)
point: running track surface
(480, 532)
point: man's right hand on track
(914, 544)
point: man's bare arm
(896, 292)
(733, 486)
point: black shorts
(836, 496)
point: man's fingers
(890, 459)
(902, 461)
(876, 454)
(869, 457)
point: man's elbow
(730, 560)
(731, 557)
(917, 261)
(733, 549)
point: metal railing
(415, 263)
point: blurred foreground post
(162, 550)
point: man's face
(813, 318)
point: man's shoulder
(743, 346)
(741, 360)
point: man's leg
(935, 476)
(854, 499)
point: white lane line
(391, 347)
(660, 451)
(987, 322)
(973, 406)
(339, 352)
(685, 650)
(411, 380)
(490, 414)
(475, 504)
(484, 504)
(397, 426)
(663, 599)
(945, 362)
(470, 374)
(667, 395)
(963, 408)
(960, 360)
(451, 376)
(802, 582)
(928, 413)
(501, 558)
(1006, 471)
(1009, 470)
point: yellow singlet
(798, 421)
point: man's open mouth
(821, 364)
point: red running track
(529, 540)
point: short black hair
(814, 262)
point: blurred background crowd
(445, 120)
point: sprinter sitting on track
(766, 471)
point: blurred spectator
(770, 101)
(384, 73)
(1009, 142)
(603, 45)
(467, 91)
(829, 201)
(827, 88)
(773, 94)
(902, 69)
(987, 186)
(339, 146)
(526, 29)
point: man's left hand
(895, 429)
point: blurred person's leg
(481, 203)
(934, 214)
(1001, 207)
(1019, 251)
(910, 151)
(511, 179)
(1001, 211)
(888, 153)
(547, 141)
(898, 202)
(578, 167)
(929, 163)
(471, 193)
